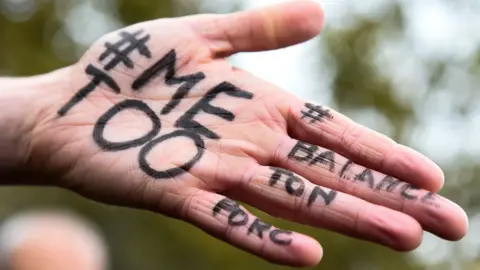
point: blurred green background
(409, 69)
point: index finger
(325, 127)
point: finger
(324, 167)
(269, 28)
(319, 125)
(226, 220)
(284, 194)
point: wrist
(25, 103)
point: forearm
(23, 102)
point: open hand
(154, 117)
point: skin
(41, 148)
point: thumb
(273, 27)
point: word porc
(239, 217)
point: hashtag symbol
(316, 113)
(123, 48)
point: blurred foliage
(36, 38)
(358, 84)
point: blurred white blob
(52, 240)
(18, 10)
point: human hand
(154, 117)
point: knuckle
(350, 135)
(262, 249)
(185, 208)
(385, 158)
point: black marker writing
(120, 52)
(308, 153)
(302, 152)
(170, 173)
(406, 192)
(187, 122)
(238, 217)
(275, 237)
(346, 167)
(316, 113)
(327, 197)
(326, 158)
(388, 183)
(168, 63)
(429, 198)
(296, 187)
(98, 77)
(293, 184)
(258, 227)
(367, 177)
(225, 204)
(98, 131)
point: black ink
(277, 175)
(293, 185)
(305, 152)
(388, 183)
(274, 236)
(429, 198)
(259, 227)
(326, 158)
(345, 169)
(316, 113)
(168, 63)
(225, 204)
(235, 211)
(233, 217)
(302, 152)
(98, 77)
(187, 122)
(142, 157)
(327, 197)
(102, 123)
(366, 176)
(121, 55)
(239, 217)
(406, 195)
(293, 181)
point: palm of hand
(160, 120)
(183, 118)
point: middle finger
(324, 167)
